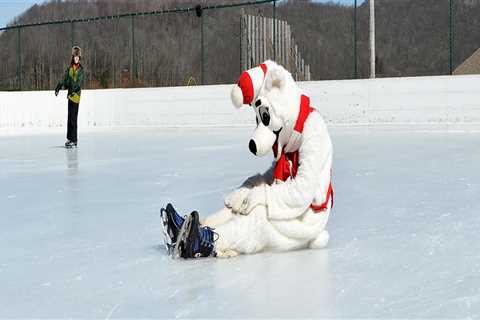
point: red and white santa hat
(249, 85)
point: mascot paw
(227, 253)
(256, 197)
(321, 241)
(235, 199)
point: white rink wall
(416, 100)
(164, 107)
(443, 100)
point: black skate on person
(172, 224)
(195, 241)
(70, 144)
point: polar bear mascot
(288, 206)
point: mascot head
(276, 109)
(278, 102)
(273, 95)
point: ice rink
(80, 229)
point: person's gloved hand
(256, 197)
(57, 90)
(234, 200)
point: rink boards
(443, 100)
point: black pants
(72, 121)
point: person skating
(72, 81)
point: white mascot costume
(288, 206)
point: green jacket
(72, 81)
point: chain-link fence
(210, 42)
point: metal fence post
(199, 14)
(19, 59)
(372, 39)
(451, 35)
(71, 34)
(132, 54)
(274, 30)
(241, 48)
(202, 50)
(355, 61)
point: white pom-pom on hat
(236, 96)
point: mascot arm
(260, 179)
(290, 199)
(236, 198)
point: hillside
(412, 39)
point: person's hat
(76, 51)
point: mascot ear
(275, 78)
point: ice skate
(70, 144)
(195, 241)
(172, 223)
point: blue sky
(9, 9)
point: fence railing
(263, 37)
(212, 43)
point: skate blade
(166, 238)
(181, 236)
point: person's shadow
(73, 196)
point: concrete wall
(422, 100)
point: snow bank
(421, 100)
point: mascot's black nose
(253, 147)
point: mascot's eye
(266, 119)
(264, 115)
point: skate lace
(209, 237)
(178, 219)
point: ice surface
(80, 233)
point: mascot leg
(309, 226)
(279, 242)
(321, 241)
(254, 233)
(242, 234)
(218, 218)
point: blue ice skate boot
(172, 224)
(195, 241)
